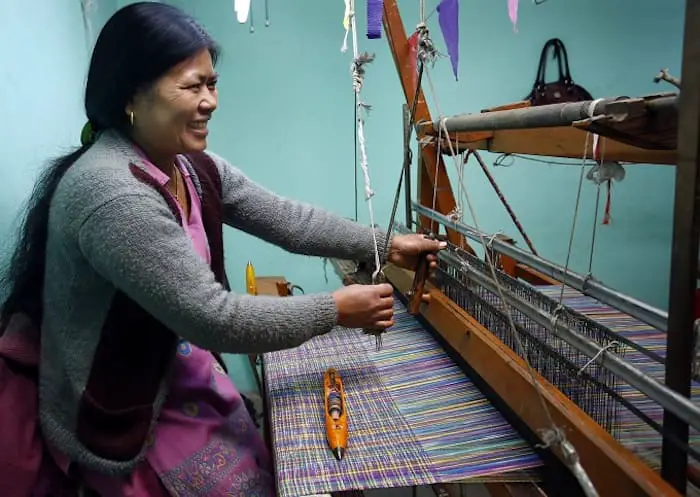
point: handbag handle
(563, 65)
(564, 76)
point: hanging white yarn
(358, 73)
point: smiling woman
(172, 115)
(120, 266)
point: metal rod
(684, 251)
(544, 116)
(589, 286)
(407, 161)
(681, 406)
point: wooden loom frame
(613, 469)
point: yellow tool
(250, 285)
(336, 415)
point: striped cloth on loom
(414, 417)
(633, 433)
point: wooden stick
(664, 75)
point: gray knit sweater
(109, 233)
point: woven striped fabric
(414, 417)
(636, 435)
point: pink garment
(26, 468)
(205, 442)
(193, 227)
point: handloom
(655, 129)
(600, 382)
(623, 410)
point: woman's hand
(406, 249)
(365, 306)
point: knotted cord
(357, 69)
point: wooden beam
(563, 142)
(566, 142)
(514, 490)
(532, 276)
(433, 165)
(684, 250)
(614, 470)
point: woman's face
(172, 116)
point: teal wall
(286, 118)
(44, 59)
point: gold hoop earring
(131, 118)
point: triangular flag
(448, 13)
(513, 13)
(346, 25)
(242, 8)
(375, 12)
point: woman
(121, 263)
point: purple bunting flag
(375, 12)
(448, 14)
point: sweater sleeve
(134, 242)
(295, 226)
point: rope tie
(588, 277)
(456, 213)
(597, 355)
(489, 244)
(555, 316)
(357, 70)
(427, 52)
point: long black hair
(136, 46)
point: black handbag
(562, 90)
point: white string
(597, 355)
(597, 202)
(357, 80)
(573, 221)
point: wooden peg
(415, 294)
(418, 286)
